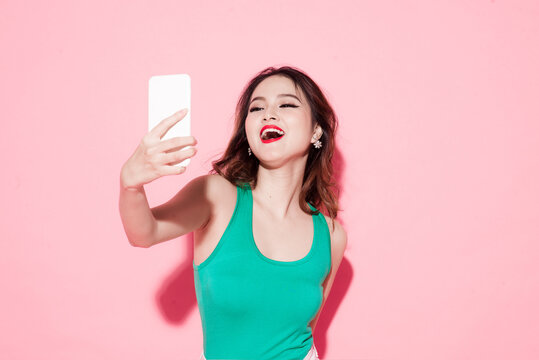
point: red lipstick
(272, 139)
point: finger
(164, 125)
(175, 143)
(172, 170)
(178, 156)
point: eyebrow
(280, 95)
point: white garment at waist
(311, 355)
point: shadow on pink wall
(338, 291)
(177, 298)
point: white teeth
(280, 132)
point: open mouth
(271, 133)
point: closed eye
(256, 108)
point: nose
(269, 115)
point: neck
(277, 189)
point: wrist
(126, 185)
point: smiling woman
(265, 256)
(301, 95)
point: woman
(265, 257)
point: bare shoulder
(339, 238)
(220, 192)
(214, 185)
(218, 187)
(211, 189)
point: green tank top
(254, 307)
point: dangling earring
(249, 151)
(318, 143)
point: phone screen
(168, 94)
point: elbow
(139, 243)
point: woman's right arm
(137, 218)
(152, 159)
(188, 210)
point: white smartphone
(168, 94)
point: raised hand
(154, 158)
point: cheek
(249, 128)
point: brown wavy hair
(318, 187)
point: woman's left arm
(338, 245)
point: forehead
(275, 85)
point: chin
(274, 161)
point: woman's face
(278, 125)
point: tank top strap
(243, 205)
(238, 227)
(323, 239)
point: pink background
(438, 153)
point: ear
(317, 134)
